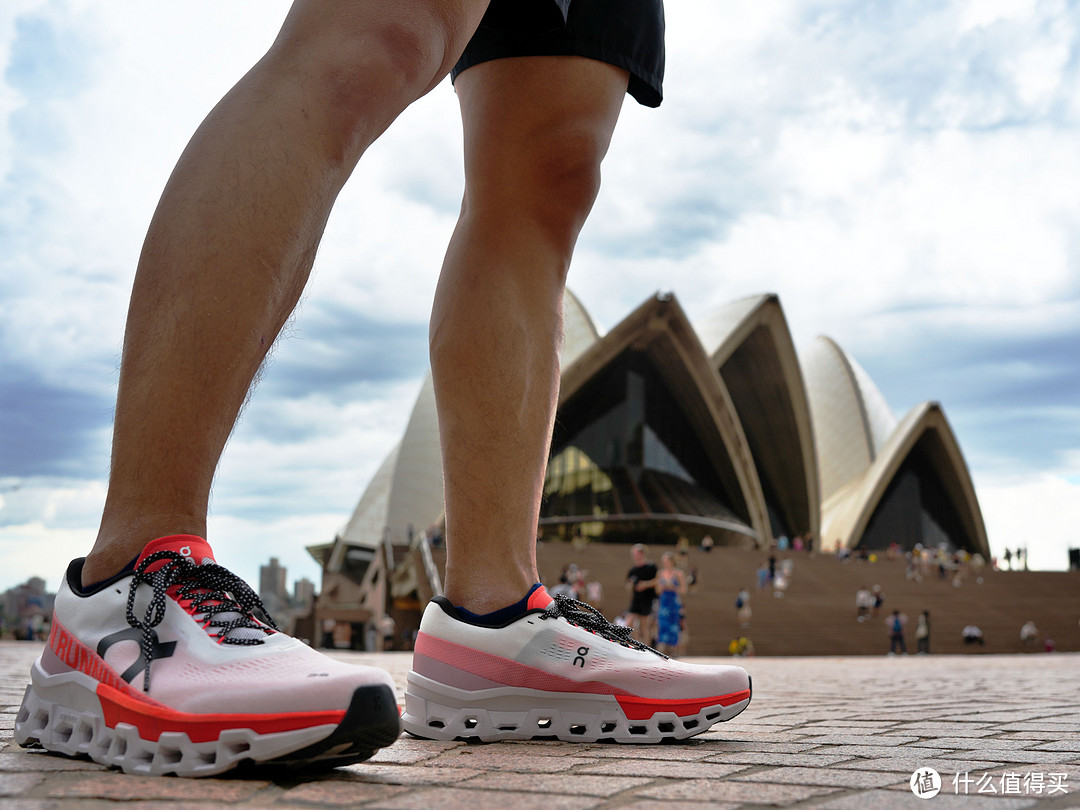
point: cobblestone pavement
(1002, 732)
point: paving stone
(909, 766)
(668, 804)
(123, 787)
(577, 785)
(455, 799)
(13, 784)
(1070, 745)
(949, 729)
(733, 748)
(340, 793)
(677, 753)
(796, 760)
(1006, 756)
(876, 740)
(826, 777)
(409, 774)
(905, 800)
(880, 751)
(21, 759)
(507, 760)
(736, 792)
(408, 750)
(670, 770)
(974, 744)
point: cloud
(50, 429)
(1031, 512)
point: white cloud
(1037, 512)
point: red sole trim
(637, 708)
(153, 721)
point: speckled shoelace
(219, 598)
(589, 618)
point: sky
(901, 174)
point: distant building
(26, 610)
(272, 590)
(303, 594)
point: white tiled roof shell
(852, 420)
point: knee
(358, 74)
(549, 183)
(392, 62)
(567, 180)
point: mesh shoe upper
(196, 629)
(559, 647)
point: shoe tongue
(191, 546)
(198, 551)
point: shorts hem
(645, 86)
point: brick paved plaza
(827, 733)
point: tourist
(641, 581)
(895, 624)
(1029, 633)
(972, 635)
(922, 633)
(670, 588)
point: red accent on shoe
(539, 599)
(191, 546)
(504, 670)
(152, 722)
(80, 657)
(637, 708)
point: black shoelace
(214, 592)
(589, 618)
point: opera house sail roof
(667, 429)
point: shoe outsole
(371, 722)
(434, 711)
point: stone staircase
(816, 614)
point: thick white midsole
(436, 711)
(62, 713)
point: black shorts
(626, 33)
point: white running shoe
(173, 669)
(561, 671)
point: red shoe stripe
(153, 721)
(80, 657)
(636, 708)
(503, 670)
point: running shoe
(174, 668)
(560, 670)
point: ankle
(120, 541)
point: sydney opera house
(670, 429)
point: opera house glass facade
(667, 428)
(626, 462)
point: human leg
(232, 242)
(170, 666)
(551, 667)
(536, 130)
